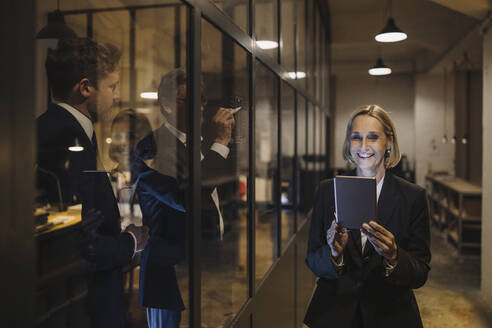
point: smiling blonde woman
(367, 276)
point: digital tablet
(355, 200)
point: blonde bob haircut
(394, 156)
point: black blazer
(162, 196)
(360, 292)
(57, 129)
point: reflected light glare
(300, 75)
(75, 148)
(391, 37)
(380, 71)
(148, 95)
(266, 44)
(109, 140)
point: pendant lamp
(56, 28)
(391, 32)
(379, 69)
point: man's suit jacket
(361, 291)
(162, 197)
(111, 249)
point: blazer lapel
(82, 137)
(387, 200)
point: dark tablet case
(355, 200)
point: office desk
(61, 272)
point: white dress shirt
(363, 238)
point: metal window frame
(204, 9)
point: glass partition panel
(322, 143)
(287, 190)
(237, 10)
(266, 168)
(310, 46)
(110, 165)
(288, 12)
(301, 40)
(225, 167)
(321, 66)
(303, 184)
(266, 24)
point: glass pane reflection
(237, 10)
(266, 24)
(225, 167)
(287, 194)
(125, 173)
(288, 11)
(304, 185)
(266, 166)
(301, 38)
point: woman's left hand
(383, 241)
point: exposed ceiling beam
(474, 8)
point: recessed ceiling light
(148, 95)
(266, 44)
(294, 75)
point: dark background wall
(468, 122)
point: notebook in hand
(355, 200)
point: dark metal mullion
(295, 166)
(278, 179)
(251, 233)
(133, 73)
(194, 195)
(467, 124)
(279, 33)
(106, 9)
(296, 207)
(90, 25)
(306, 134)
(315, 85)
(278, 205)
(177, 36)
(306, 47)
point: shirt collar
(83, 120)
(177, 133)
(380, 186)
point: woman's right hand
(337, 238)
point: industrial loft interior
(169, 163)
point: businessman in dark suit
(366, 277)
(159, 291)
(84, 79)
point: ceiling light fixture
(267, 44)
(391, 32)
(56, 28)
(379, 69)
